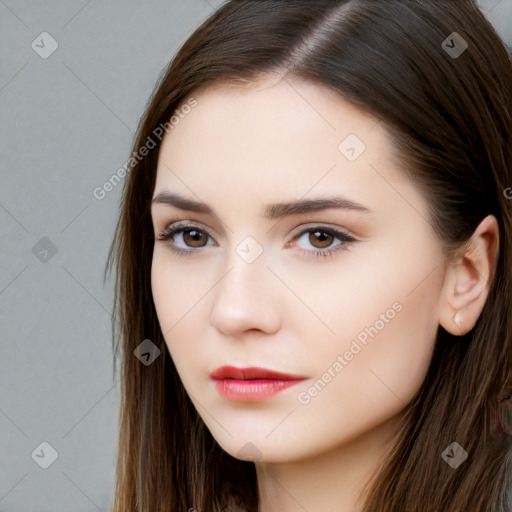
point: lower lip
(251, 390)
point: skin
(275, 141)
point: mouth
(251, 384)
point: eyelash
(345, 239)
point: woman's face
(252, 287)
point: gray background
(67, 126)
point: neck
(329, 481)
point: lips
(251, 384)
(251, 373)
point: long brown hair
(449, 117)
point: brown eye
(194, 238)
(320, 239)
(190, 238)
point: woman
(321, 204)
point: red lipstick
(251, 384)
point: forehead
(271, 110)
(274, 140)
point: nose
(246, 299)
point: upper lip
(253, 372)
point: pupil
(194, 234)
(323, 236)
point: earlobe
(467, 279)
(463, 296)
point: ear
(467, 279)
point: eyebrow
(270, 211)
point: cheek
(179, 300)
(175, 293)
(360, 384)
(395, 356)
(385, 319)
(163, 285)
(398, 357)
